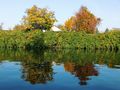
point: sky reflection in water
(62, 69)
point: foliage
(35, 39)
(82, 40)
(78, 40)
(83, 20)
(20, 39)
(20, 27)
(69, 24)
(39, 18)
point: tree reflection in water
(37, 70)
(82, 72)
(37, 73)
(37, 66)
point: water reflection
(37, 72)
(82, 72)
(37, 65)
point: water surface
(59, 70)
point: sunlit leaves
(83, 20)
(39, 18)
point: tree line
(44, 19)
(80, 31)
(80, 40)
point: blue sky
(11, 11)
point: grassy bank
(78, 40)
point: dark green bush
(107, 41)
(20, 39)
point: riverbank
(61, 40)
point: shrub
(79, 40)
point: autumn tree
(39, 18)
(69, 24)
(19, 27)
(83, 20)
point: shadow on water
(37, 66)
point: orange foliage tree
(83, 20)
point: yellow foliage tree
(69, 24)
(39, 18)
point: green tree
(39, 18)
